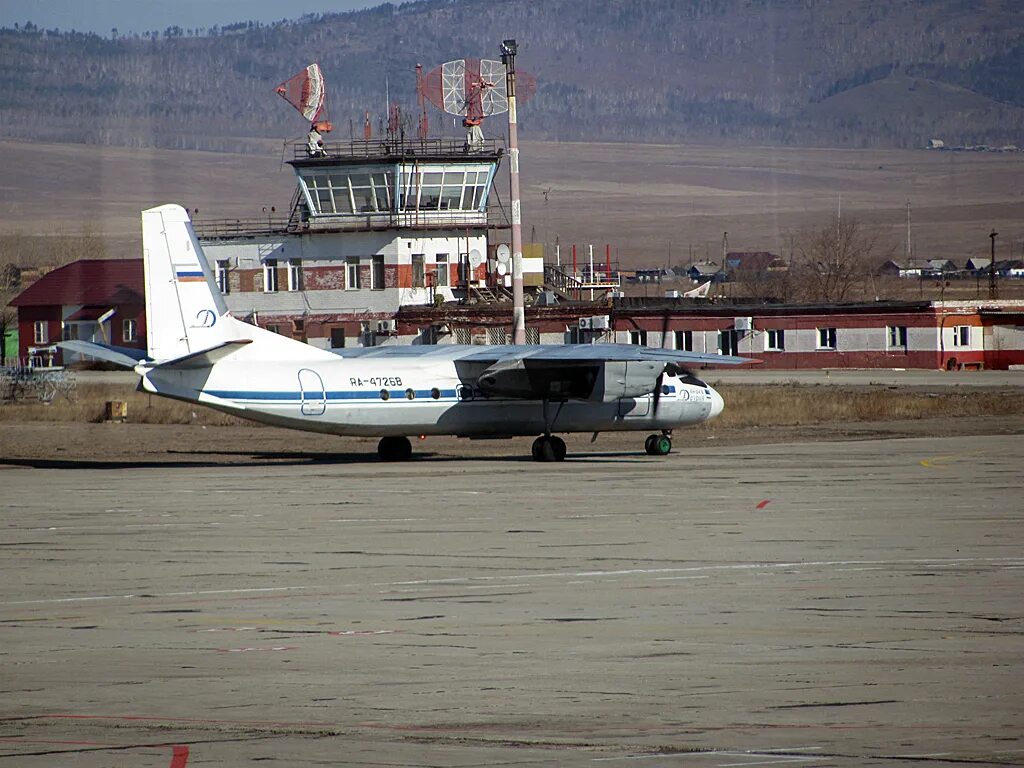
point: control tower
(374, 225)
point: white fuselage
(380, 397)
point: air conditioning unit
(671, 294)
(600, 322)
(744, 324)
(585, 323)
(386, 326)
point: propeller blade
(657, 391)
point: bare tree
(836, 262)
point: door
(314, 397)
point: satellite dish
(502, 268)
(475, 258)
(504, 253)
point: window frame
(352, 273)
(828, 339)
(687, 338)
(221, 272)
(442, 273)
(638, 338)
(270, 276)
(377, 282)
(961, 336)
(129, 330)
(41, 332)
(294, 275)
(419, 269)
(896, 337)
(774, 339)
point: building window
(774, 340)
(129, 329)
(377, 273)
(961, 336)
(827, 338)
(442, 270)
(897, 337)
(352, 273)
(40, 332)
(417, 271)
(337, 338)
(270, 276)
(728, 341)
(684, 340)
(638, 337)
(221, 273)
(294, 275)
(274, 327)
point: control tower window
(430, 191)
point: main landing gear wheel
(394, 449)
(658, 445)
(548, 448)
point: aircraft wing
(548, 353)
(556, 371)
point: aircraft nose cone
(717, 403)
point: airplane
(198, 352)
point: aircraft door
(314, 396)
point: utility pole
(993, 290)
(508, 58)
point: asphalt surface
(847, 603)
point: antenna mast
(508, 58)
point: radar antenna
(473, 89)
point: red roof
(89, 282)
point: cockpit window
(689, 378)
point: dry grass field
(655, 204)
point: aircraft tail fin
(186, 315)
(183, 308)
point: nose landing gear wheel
(548, 448)
(658, 445)
(394, 449)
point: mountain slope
(660, 70)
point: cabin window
(40, 332)
(827, 338)
(294, 275)
(352, 273)
(962, 336)
(270, 276)
(897, 337)
(684, 340)
(774, 340)
(129, 329)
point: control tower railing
(384, 149)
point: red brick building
(98, 300)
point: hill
(765, 71)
